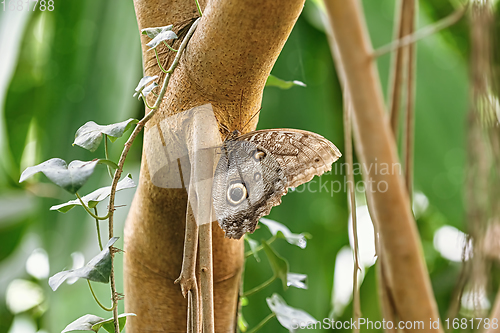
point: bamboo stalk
(410, 102)
(396, 75)
(388, 198)
(206, 278)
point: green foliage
(159, 35)
(153, 32)
(98, 269)
(143, 84)
(59, 73)
(83, 323)
(254, 245)
(94, 323)
(70, 177)
(89, 136)
(278, 264)
(108, 324)
(73, 176)
(273, 81)
(92, 199)
(281, 231)
(288, 316)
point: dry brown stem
(187, 279)
(390, 209)
(495, 314)
(206, 278)
(397, 67)
(408, 136)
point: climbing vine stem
(97, 300)
(98, 230)
(138, 128)
(88, 210)
(262, 323)
(198, 7)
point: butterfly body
(256, 169)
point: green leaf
(279, 230)
(273, 81)
(143, 83)
(278, 264)
(242, 323)
(98, 269)
(84, 323)
(162, 36)
(71, 177)
(146, 91)
(92, 199)
(253, 247)
(89, 136)
(296, 280)
(153, 32)
(108, 324)
(287, 316)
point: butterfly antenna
(248, 122)
(241, 107)
(224, 127)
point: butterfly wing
(301, 154)
(248, 182)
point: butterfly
(256, 169)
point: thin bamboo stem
(206, 277)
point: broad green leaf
(279, 230)
(288, 317)
(278, 264)
(296, 280)
(98, 269)
(143, 83)
(92, 199)
(153, 32)
(162, 36)
(89, 136)
(273, 81)
(71, 177)
(108, 324)
(253, 247)
(84, 323)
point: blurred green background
(81, 62)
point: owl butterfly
(256, 169)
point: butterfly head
(233, 135)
